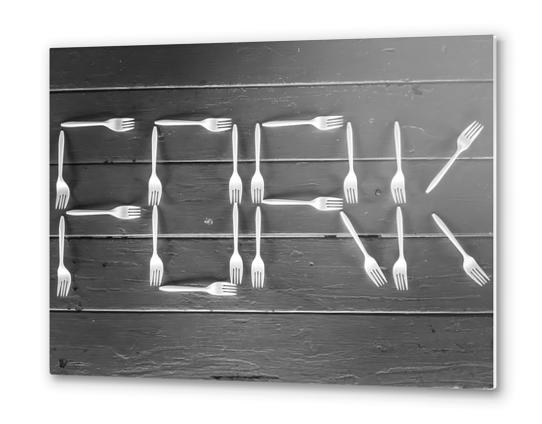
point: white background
(30, 393)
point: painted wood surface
(301, 275)
(195, 197)
(269, 63)
(319, 319)
(431, 117)
(442, 351)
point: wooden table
(319, 319)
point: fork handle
(61, 152)
(354, 233)
(399, 217)
(258, 229)
(183, 289)
(442, 172)
(87, 212)
(154, 228)
(286, 202)
(257, 141)
(448, 233)
(275, 124)
(61, 235)
(154, 147)
(175, 122)
(234, 146)
(78, 124)
(397, 137)
(350, 146)
(235, 219)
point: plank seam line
(487, 313)
(251, 236)
(274, 85)
(281, 160)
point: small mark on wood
(208, 221)
(244, 377)
(378, 192)
(62, 363)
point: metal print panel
(301, 211)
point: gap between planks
(275, 160)
(267, 236)
(272, 85)
(487, 313)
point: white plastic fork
(155, 186)
(464, 141)
(471, 267)
(400, 276)
(62, 189)
(322, 123)
(326, 204)
(351, 181)
(120, 212)
(64, 278)
(156, 266)
(211, 124)
(235, 185)
(114, 124)
(257, 183)
(218, 288)
(398, 181)
(236, 262)
(371, 266)
(258, 266)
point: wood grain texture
(195, 197)
(289, 62)
(444, 351)
(431, 116)
(301, 275)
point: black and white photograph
(284, 212)
(274, 208)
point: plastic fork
(236, 262)
(400, 276)
(398, 181)
(471, 267)
(258, 267)
(465, 139)
(323, 123)
(211, 124)
(326, 204)
(114, 124)
(219, 288)
(156, 266)
(257, 183)
(64, 278)
(235, 185)
(155, 186)
(351, 181)
(120, 212)
(62, 189)
(371, 266)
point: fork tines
(478, 275)
(335, 121)
(377, 276)
(334, 203)
(228, 289)
(127, 124)
(134, 212)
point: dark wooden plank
(432, 116)
(301, 275)
(195, 197)
(289, 62)
(429, 351)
